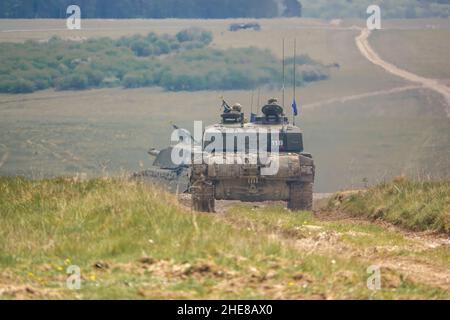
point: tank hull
(234, 180)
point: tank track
(203, 198)
(301, 196)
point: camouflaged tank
(235, 173)
(172, 177)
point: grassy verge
(418, 206)
(131, 241)
(357, 242)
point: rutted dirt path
(409, 266)
(362, 42)
(406, 259)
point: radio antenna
(295, 80)
(283, 76)
(259, 97)
(251, 103)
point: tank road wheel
(203, 196)
(301, 196)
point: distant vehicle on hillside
(244, 26)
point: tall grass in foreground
(134, 241)
(101, 219)
(416, 205)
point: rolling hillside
(363, 124)
(133, 241)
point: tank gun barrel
(154, 152)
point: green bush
(163, 46)
(77, 81)
(133, 62)
(94, 77)
(41, 78)
(152, 37)
(16, 86)
(141, 48)
(416, 205)
(138, 79)
(23, 86)
(133, 80)
(195, 34)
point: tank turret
(165, 173)
(228, 174)
(232, 114)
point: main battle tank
(230, 172)
(174, 178)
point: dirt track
(362, 41)
(386, 256)
(403, 258)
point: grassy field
(121, 235)
(316, 38)
(175, 63)
(427, 62)
(418, 206)
(357, 141)
(60, 134)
